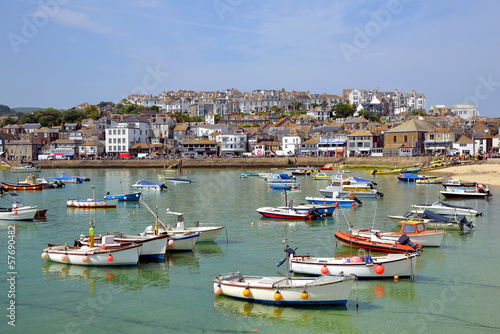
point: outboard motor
(163, 186)
(314, 213)
(379, 193)
(405, 240)
(463, 221)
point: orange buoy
(218, 290)
(304, 295)
(85, 259)
(396, 277)
(379, 269)
(324, 270)
(277, 296)
(110, 257)
(353, 204)
(336, 204)
(247, 292)
(103, 247)
(171, 243)
(64, 258)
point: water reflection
(139, 277)
(324, 319)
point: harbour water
(455, 290)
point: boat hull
(91, 203)
(359, 194)
(394, 264)
(182, 242)
(282, 213)
(444, 210)
(10, 186)
(22, 213)
(344, 202)
(464, 193)
(123, 198)
(427, 239)
(324, 290)
(362, 242)
(121, 256)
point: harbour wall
(240, 162)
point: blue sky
(59, 53)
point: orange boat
(402, 245)
(9, 186)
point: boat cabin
(411, 227)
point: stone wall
(236, 162)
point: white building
(291, 142)
(232, 143)
(464, 146)
(465, 111)
(126, 134)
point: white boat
(323, 290)
(280, 178)
(290, 213)
(206, 233)
(445, 209)
(91, 203)
(146, 185)
(17, 210)
(29, 168)
(65, 178)
(109, 255)
(478, 192)
(361, 266)
(434, 220)
(344, 186)
(153, 246)
(414, 229)
(429, 180)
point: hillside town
(262, 123)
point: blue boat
(66, 179)
(122, 198)
(283, 185)
(409, 177)
(342, 201)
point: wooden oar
(156, 215)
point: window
(114, 140)
(394, 139)
(110, 141)
(114, 132)
(409, 229)
(406, 138)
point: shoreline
(486, 172)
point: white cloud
(83, 21)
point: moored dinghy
(285, 290)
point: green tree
(72, 116)
(343, 110)
(47, 121)
(4, 110)
(314, 105)
(297, 105)
(324, 104)
(155, 108)
(27, 118)
(255, 125)
(8, 120)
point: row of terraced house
(158, 135)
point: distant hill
(26, 110)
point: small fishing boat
(325, 209)
(280, 178)
(153, 246)
(478, 192)
(344, 201)
(146, 185)
(41, 213)
(249, 174)
(434, 220)
(414, 229)
(201, 233)
(362, 266)
(65, 178)
(384, 171)
(30, 167)
(402, 245)
(408, 177)
(32, 180)
(17, 210)
(124, 198)
(23, 186)
(107, 255)
(411, 170)
(177, 178)
(445, 209)
(92, 203)
(429, 180)
(321, 176)
(359, 187)
(283, 185)
(301, 171)
(454, 183)
(285, 290)
(290, 213)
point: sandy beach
(485, 172)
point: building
(22, 150)
(410, 134)
(126, 134)
(233, 143)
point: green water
(455, 291)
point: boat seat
(271, 281)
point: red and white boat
(290, 213)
